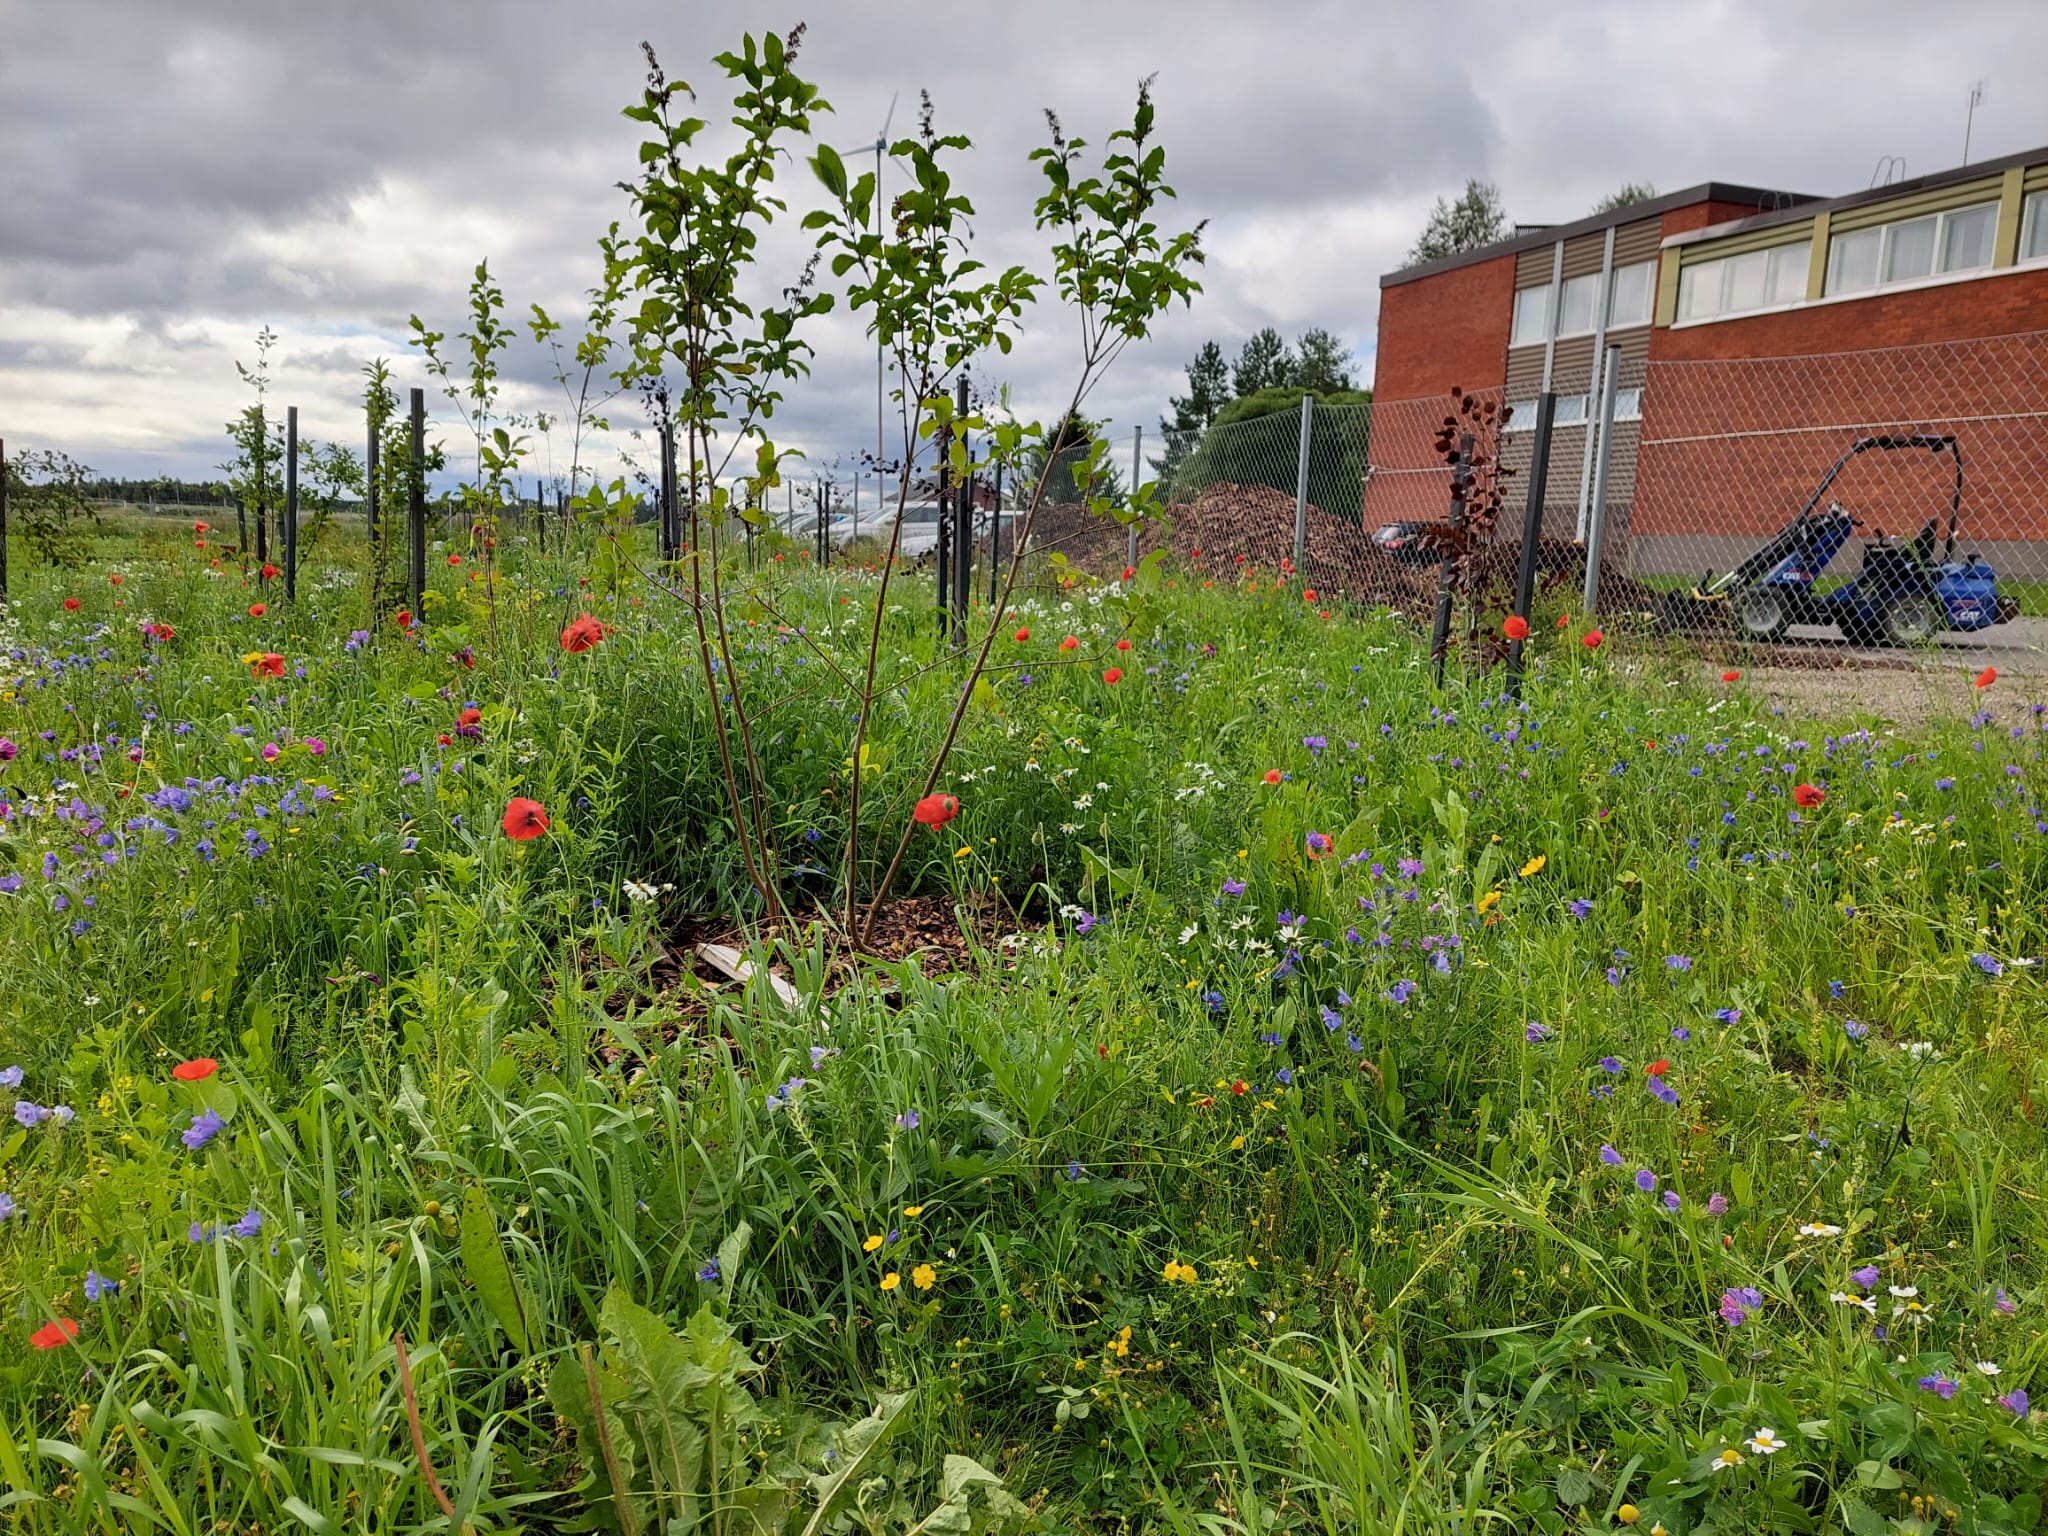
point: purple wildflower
(1671, 1200)
(1536, 1033)
(1609, 1156)
(1610, 1064)
(709, 1273)
(2015, 1402)
(1646, 1181)
(1941, 1384)
(204, 1127)
(1717, 1204)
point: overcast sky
(174, 176)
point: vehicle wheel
(1761, 614)
(1911, 618)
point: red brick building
(1760, 332)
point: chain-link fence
(1871, 504)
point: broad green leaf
(857, 1444)
(484, 1262)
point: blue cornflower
(907, 1121)
(1214, 1000)
(1536, 1033)
(1609, 1156)
(1854, 1030)
(1728, 1015)
(1073, 1170)
(1579, 908)
(1990, 965)
(1680, 1033)
(1352, 1043)
(1610, 1064)
(1836, 990)
(204, 1127)
(1233, 887)
(250, 1224)
(1663, 1090)
(709, 1273)
(1332, 1019)
(98, 1285)
(1269, 1037)
(1284, 1077)
(1678, 962)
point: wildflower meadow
(1170, 1063)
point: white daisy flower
(1765, 1442)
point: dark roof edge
(1653, 207)
(1932, 181)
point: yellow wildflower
(1535, 865)
(891, 1280)
(871, 1244)
(913, 1210)
(923, 1277)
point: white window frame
(1649, 310)
(2033, 227)
(1719, 274)
(1628, 403)
(1540, 295)
(1521, 416)
(1592, 324)
(1887, 234)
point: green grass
(1199, 1208)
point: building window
(1571, 412)
(1532, 317)
(1634, 294)
(1628, 404)
(2034, 229)
(1959, 240)
(1737, 284)
(1577, 305)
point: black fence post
(416, 496)
(963, 521)
(995, 540)
(291, 503)
(1440, 633)
(3, 519)
(945, 442)
(1532, 531)
(370, 478)
(262, 496)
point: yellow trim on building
(1940, 200)
(1817, 260)
(1667, 288)
(1742, 245)
(2005, 243)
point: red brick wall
(1734, 441)
(1446, 331)
(1699, 215)
(2003, 304)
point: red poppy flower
(1130, 571)
(270, 572)
(53, 1335)
(1564, 621)
(1658, 1068)
(200, 528)
(1807, 796)
(455, 559)
(585, 633)
(1124, 644)
(198, 1070)
(71, 605)
(1102, 1050)
(1240, 1087)
(403, 618)
(524, 819)
(470, 716)
(199, 543)
(1516, 628)
(1273, 775)
(117, 578)
(1592, 640)
(1070, 644)
(1194, 554)
(936, 810)
(257, 610)
(1987, 677)
(269, 664)
(1113, 676)
(1308, 595)
(445, 739)
(1731, 677)
(1286, 566)
(1023, 635)
(468, 659)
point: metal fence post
(1596, 529)
(1532, 530)
(1440, 632)
(3, 519)
(370, 478)
(1308, 405)
(262, 496)
(416, 505)
(963, 542)
(291, 503)
(995, 541)
(1137, 459)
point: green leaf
(857, 1445)
(967, 1489)
(731, 1253)
(1862, 1519)
(831, 171)
(484, 1262)
(569, 1395)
